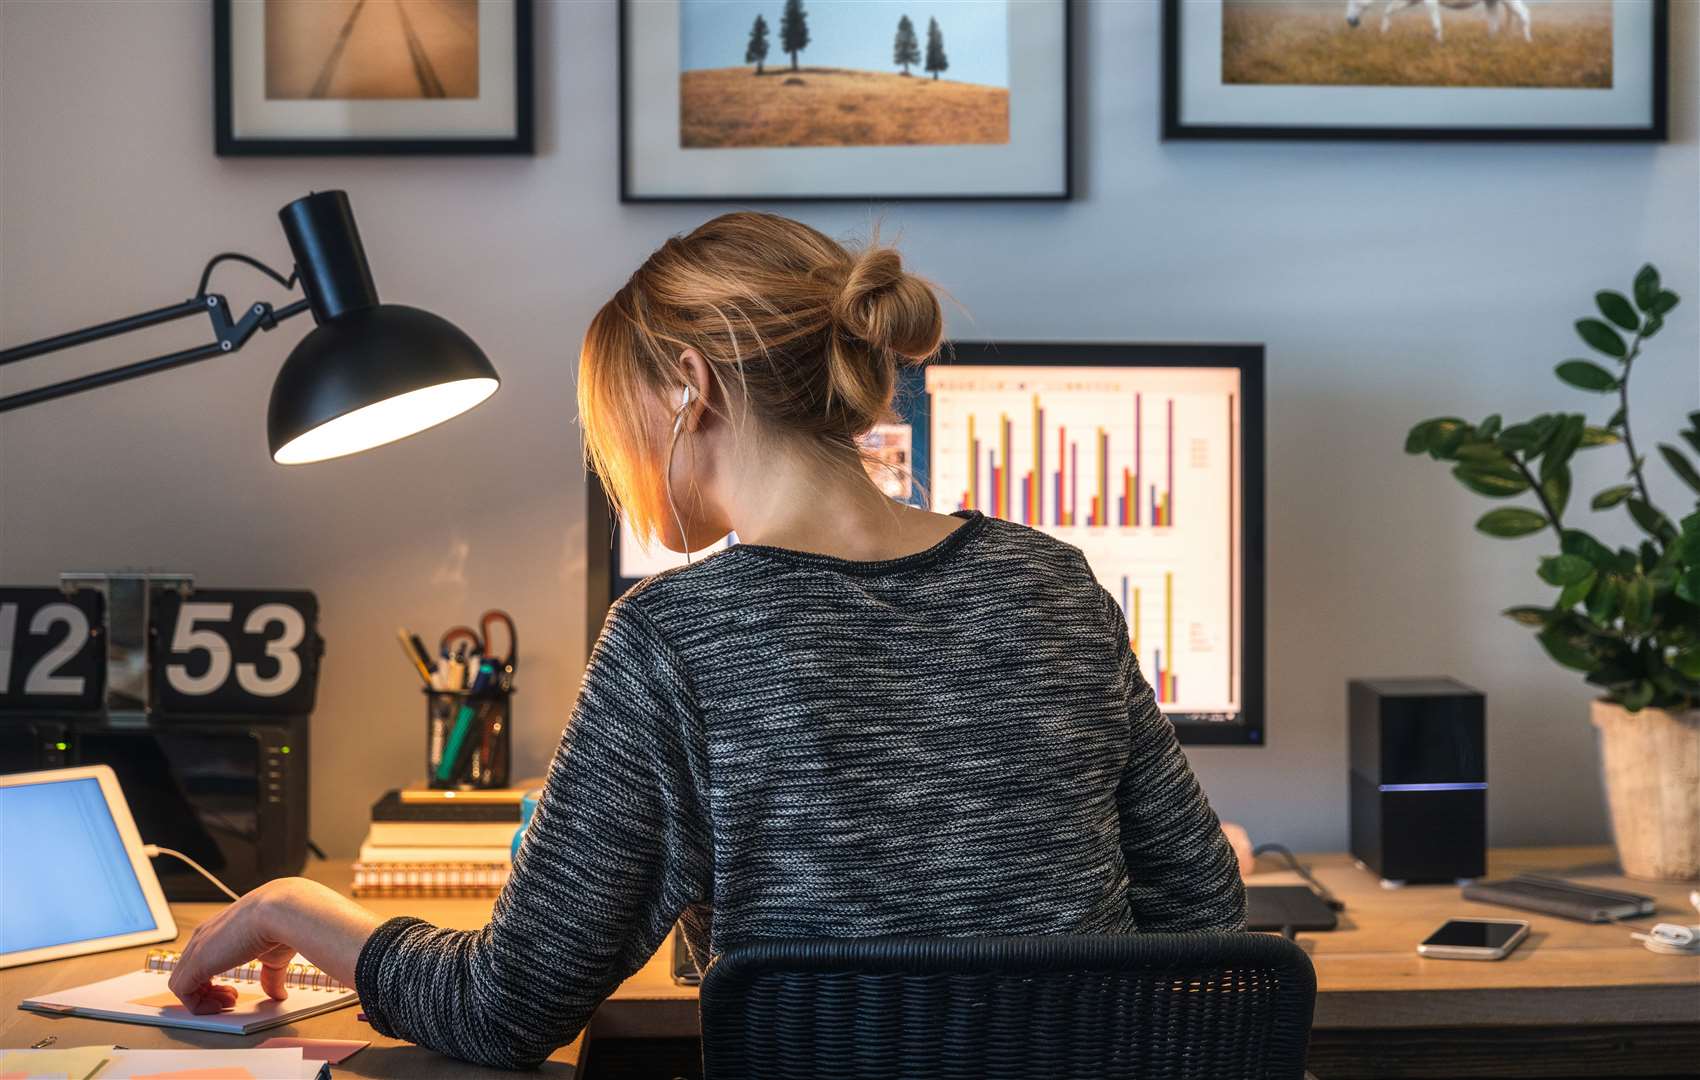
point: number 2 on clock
(42, 679)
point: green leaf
(1662, 304)
(1565, 439)
(1511, 522)
(1679, 465)
(1555, 485)
(1494, 483)
(1528, 616)
(1617, 418)
(1587, 375)
(1599, 436)
(1637, 602)
(1611, 496)
(1602, 337)
(1575, 592)
(1417, 441)
(1655, 323)
(1647, 287)
(1652, 521)
(1488, 428)
(1520, 438)
(1692, 435)
(1577, 542)
(1560, 646)
(1688, 663)
(1616, 307)
(1442, 435)
(1603, 599)
(1639, 695)
(1688, 585)
(1564, 569)
(1483, 453)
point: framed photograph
(1415, 69)
(372, 77)
(776, 100)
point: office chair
(1201, 1006)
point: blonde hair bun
(887, 309)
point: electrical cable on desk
(1322, 891)
(154, 851)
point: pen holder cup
(468, 738)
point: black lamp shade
(369, 377)
(369, 373)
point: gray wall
(1390, 281)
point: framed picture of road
(372, 76)
(1415, 69)
(844, 99)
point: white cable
(154, 851)
(1674, 939)
(667, 480)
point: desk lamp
(369, 373)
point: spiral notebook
(143, 997)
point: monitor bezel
(604, 586)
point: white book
(384, 853)
(145, 997)
(442, 833)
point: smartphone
(1475, 939)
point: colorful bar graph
(1047, 492)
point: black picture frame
(227, 144)
(1174, 128)
(605, 583)
(627, 195)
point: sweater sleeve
(1182, 873)
(618, 847)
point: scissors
(456, 635)
(487, 621)
(480, 641)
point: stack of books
(425, 842)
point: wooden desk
(1573, 1001)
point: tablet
(73, 877)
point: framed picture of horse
(1416, 69)
(784, 100)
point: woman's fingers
(274, 971)
(209, 998)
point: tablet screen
(64, 872)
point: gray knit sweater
(777, 744)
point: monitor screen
(1148, 458)
(65, 874)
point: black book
(391, 808)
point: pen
(413, 657)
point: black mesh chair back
(1147, 1006)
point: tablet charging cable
(154, 851)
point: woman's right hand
(271, 924)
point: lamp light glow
(385, 421)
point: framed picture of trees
(772, 100)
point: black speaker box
(1418, 753)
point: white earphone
(678, 427)
(679, 416)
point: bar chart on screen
(1135, 466)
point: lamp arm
(230, 334)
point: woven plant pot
(1651, 761)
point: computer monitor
(1148, 458)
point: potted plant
(1629, 617)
